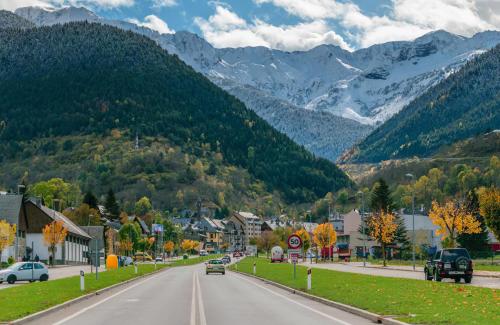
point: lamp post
(363, 225)
(412, 177)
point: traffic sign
(294, 242)
(294, 257)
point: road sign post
(309, 271)
(82, 280)
(97, 261)
(294, 249)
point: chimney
(21, 189)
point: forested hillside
(82, 78)
(11, 20)
(464, 105)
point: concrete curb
(350, 309)
(68, 303)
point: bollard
(82, 280)
(135, 268)
(309, 271)
(254, 268)
(155, 264)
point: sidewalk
(59, 272)
(401, 272)
(407, 268)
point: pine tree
(476, 244)
(90, 199)
(111, 205)
(380, 200)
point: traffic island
(388, 300)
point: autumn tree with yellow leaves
(382, 227)
(489, 207)
(453, 219)
(306, 239)
(54, 233)
(7, 235)
(169, 247)
(324, 235)
(188, 245)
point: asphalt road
(185, 295)
(485, 282)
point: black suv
(453, 263)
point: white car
(24, 271)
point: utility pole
(412, 177)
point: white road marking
(104, 300)
(193, 301)
(295, 302)
(201, 308)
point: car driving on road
(215, 266)
(453, 263)
(226, 259)
(25, 271)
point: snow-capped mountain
(353, 91)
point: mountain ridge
(368, 85)
(465, 104)
(110, 78)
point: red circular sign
(294, 242)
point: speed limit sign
(294, 242)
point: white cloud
(12, 5)
(312, 9)
(154, 23)
(164, 3)
(226, 29)
(406, 20)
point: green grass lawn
(413, 301)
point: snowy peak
(367, 86)
(45, 17)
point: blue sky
(295, 24)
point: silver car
(25, 271)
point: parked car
(127, 260)
(25, 271)
(142, 257)
(203, 252)
(453, 263)
(226, 259)
(158, 259)
(215, 266)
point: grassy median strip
(412, 301)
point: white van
(277, 254)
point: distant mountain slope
(324, 134)
(367, 86)
(464, 105)
(11, 20)
(109, 78)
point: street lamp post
(363, 225)
(412, 177)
